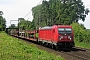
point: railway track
(79, 55)
(72, 54)
(75, 53)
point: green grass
(15, 49)
(82, 45)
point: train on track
(56, 36)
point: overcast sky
(14, 9)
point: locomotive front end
(65, 36)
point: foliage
(2, 22)
(81, 34)
(16, 49)
(12, 26)
(59, 12)
(37, 15)
(1, 13)
(25, 24)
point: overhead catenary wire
(31, 9)
(28, 13)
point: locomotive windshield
(64, 30)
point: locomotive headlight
(61, 37)
(70, 37)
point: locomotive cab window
(68, 30)
(61, 30)
(64, 30)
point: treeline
(65, 12)
(52, 12)
(59, 12)
(2, 22)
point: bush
(81, 34)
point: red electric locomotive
(57, 35)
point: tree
(80, 33)
(1, 13)
(59, 12)
(2, 22)
(25, 24)
(87, 10)
(39, 16)
(12, 26)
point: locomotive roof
(46, 27)
(50, 27)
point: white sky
(14, 9)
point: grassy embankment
(82, 45)
(14, 49)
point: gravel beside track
(72, 54)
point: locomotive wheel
(52, 46)
(55, 47)
(49, 45)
